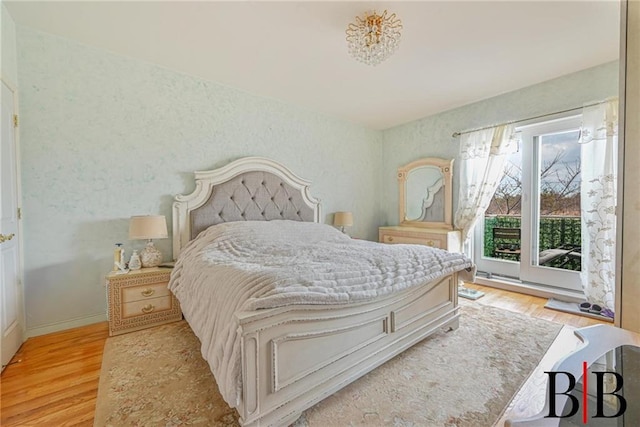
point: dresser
(435, 237)
(140, 299)
(425, 206)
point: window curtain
(482, 158)
(599, 153)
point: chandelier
(373, 39)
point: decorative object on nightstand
(118, 257)
(342, 220)
(148, 227)
(140, 299)
(135, 263)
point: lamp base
(150, 256)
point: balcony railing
(554, 232)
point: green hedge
(554, 232)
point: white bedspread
(241, 266)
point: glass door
(498, 242)
(531, 230)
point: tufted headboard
(248, 189)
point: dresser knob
(147, 292)
(390, 238)
(148, 308)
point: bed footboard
(293, 357)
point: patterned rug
(466, 377)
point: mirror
(425, 193)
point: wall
(629, 240)
(431, 136)
(8, 63)
(105, 137)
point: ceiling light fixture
(373, 39)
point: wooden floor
(532, 306)
(53, 379)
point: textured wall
(105, 137)
(8, 63)
(431, 136)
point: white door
(11, 328)
(551, 204)
(538, 202)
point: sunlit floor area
(531, 305)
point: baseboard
(67, 324)
(531, 289)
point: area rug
(466, 377)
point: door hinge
(15, 120)
(19, 213)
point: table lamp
(342, 220)
(148, 227)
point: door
(11, 309)
(531, 231)
(551, 244)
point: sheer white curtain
(482, 157)
(599, 148)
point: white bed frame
(293, 357)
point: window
(531, 230)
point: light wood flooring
(530, 305)
(53, 379)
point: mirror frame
(446, 167)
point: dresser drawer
(137, 293)
(436, 242)
(147, 306)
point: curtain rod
(457, 134)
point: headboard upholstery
(251, 196)
(248, 189)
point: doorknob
(6, 237)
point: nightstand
(435, 237)
(140, 299)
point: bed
(275, 355)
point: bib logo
(573, 404)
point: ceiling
(452, 53)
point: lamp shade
(343, 219)
(144, 227)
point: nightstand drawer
(138, 293)
(140, 299)
(146, 306)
